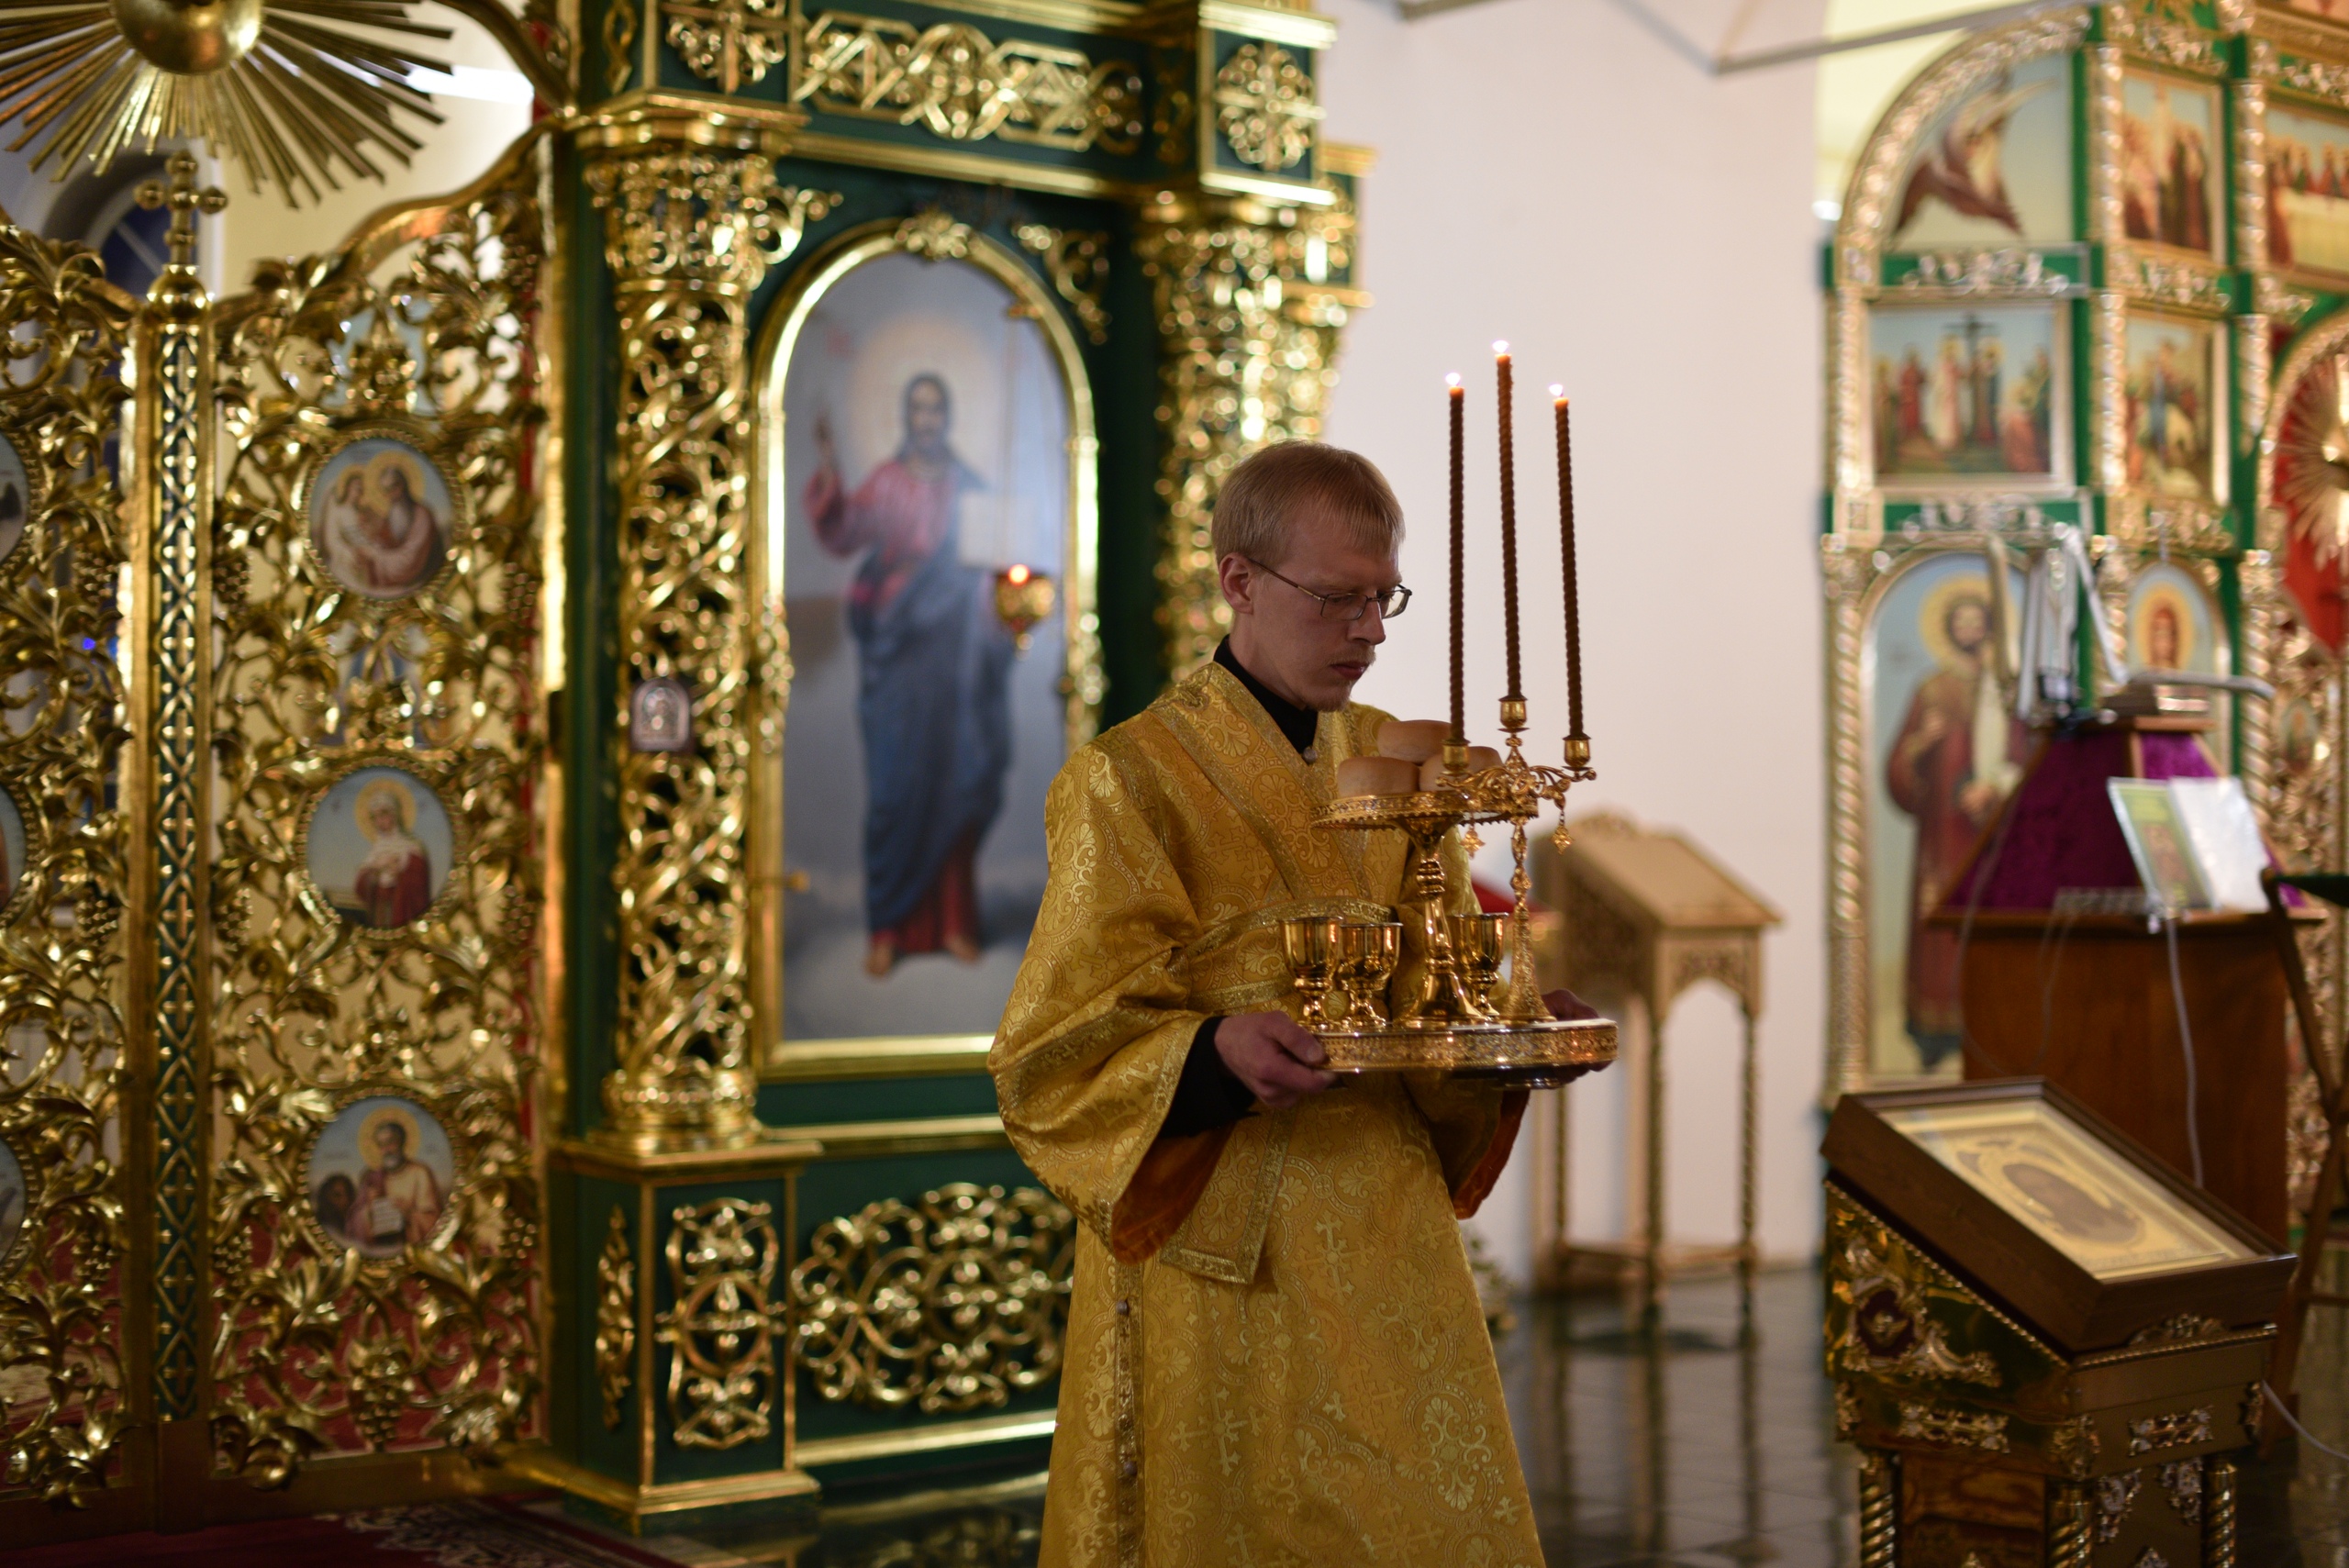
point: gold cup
(1310, 944)
(1368, 954)
(1477, 943)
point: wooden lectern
(1643, 915)
(2053, 985)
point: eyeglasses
(1391, 602)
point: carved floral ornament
(959, 84)
(1265, 107)
(951, 1304)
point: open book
(2196, 842)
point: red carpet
(488, 1533)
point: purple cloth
(2063, 832)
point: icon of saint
(1951, 767)
(399, 1202)
(393, 885)
(933, 700)
(378, 535)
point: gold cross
(185, 201)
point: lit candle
(1457, 396)
(1508, 530)
(1566, 545)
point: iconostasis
(527, 732)
(2089, 275)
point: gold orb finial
(190, 38)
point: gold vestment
(1276, 1353)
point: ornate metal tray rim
(1420, 807)
(1543, 1048)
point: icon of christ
(933, 677)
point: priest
(1275, 1351)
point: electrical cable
(2276, 1403)
(2186, 1042)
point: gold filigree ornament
(962, 85)
(1887, 1324)
(615, 1316)
(428, 314)
(63, 1092)
(936, 235)
(950, 1306)
(1264, 107)
(1077, 261)
(721, 1332)
(283, 87)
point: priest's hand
(1568, 1005)
(1274, 1057)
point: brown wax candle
(1457, 396)
(1509, 529)
(1566, 546)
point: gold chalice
(1477, 941)
(1368, 954)
(1310, 944)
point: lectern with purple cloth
(2059, 982)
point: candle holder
(1450, 1018)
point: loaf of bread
(1413, 739)
(1376, 775)
(1432, 773)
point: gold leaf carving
(721, 1331)
(1984, 1430)
(1078, 263)
(1264, 107)
(689, 236)
(61, 1314)
(2150, 1434)
(619, 38)
(1247, 333)
(615, 1316)
(730, 42)
(933, 233)
(958, 83)
(420, 330)
(949, 1305)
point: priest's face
(1305, 651)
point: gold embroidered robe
(1276, 1353)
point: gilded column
(1248, 324)
(175, 357)
(693, 219)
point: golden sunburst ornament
(2312, 460)
(285, 88)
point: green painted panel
(875, 1100)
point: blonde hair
(1258, 505)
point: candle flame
(1018, 574)
(1500, 346)
(1557, 391)
(1453, 381)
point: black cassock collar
(1297, 724)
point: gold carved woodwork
(2115, 1495)
(2181, 1482)
(615, 1316)
(1264, 107)
(419, 328)
(730, 42)
(934, 234)
(690, 232)
(2176, 1429)
(1879, 1509)
(63, 756)
(1077, 261)
(620, 22)
(962, 85)
(721, 1332)
(1880, 1319)
(1248, 343)
(948, 1306)
(1984, 1429)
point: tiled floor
(1683, 1453)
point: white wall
(1551, 173)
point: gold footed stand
(1459, 1018)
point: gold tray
(1428, 811)
(1528, 1056)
